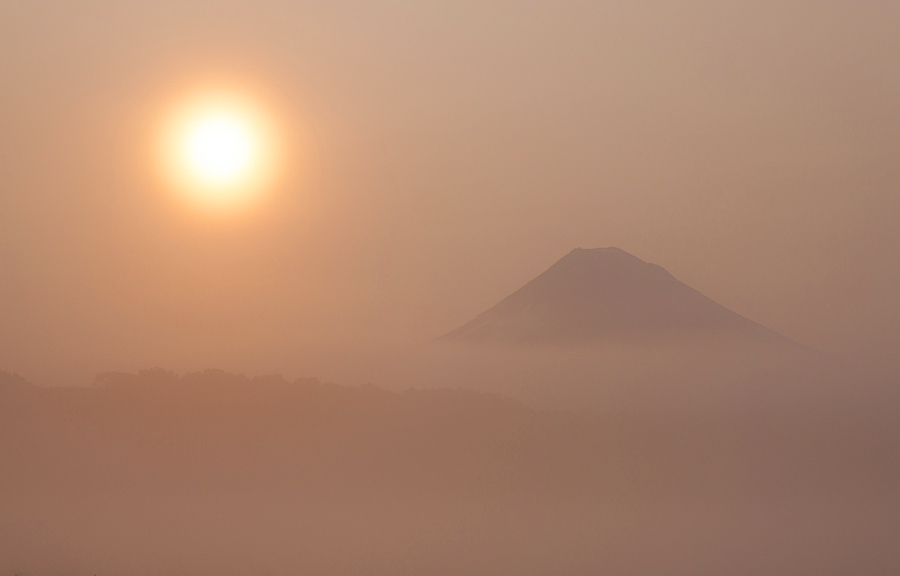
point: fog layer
(217, 473)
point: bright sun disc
(219, 150)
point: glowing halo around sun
(220, 150)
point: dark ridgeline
(213, 430)
(608, 295)
(218, 473)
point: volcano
(608, 295)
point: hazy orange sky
(440, 155)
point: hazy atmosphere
(439, 156)
(469, 286)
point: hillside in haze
(215, 473)
(608, 295)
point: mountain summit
(606, 294)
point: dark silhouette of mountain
(216, 473)
(606, 294)
(13, 383)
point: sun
(219, 149)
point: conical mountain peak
(606, 294)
